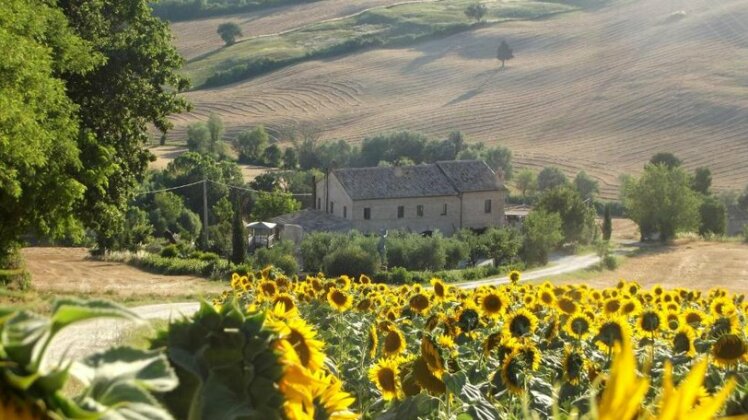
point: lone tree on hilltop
(229, 31)
(476, 11)
(504, 53)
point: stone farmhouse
(444, 196)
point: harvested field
(600, 90)
(71, 271)
(198, 37)
(697, 264)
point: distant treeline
(256, 67)
(178, 10)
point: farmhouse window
(444, 210)
(319, 204)
(332, 207)
(400, 212)
(487, 206)
(345, 212)
(367, 213)
(419, 210)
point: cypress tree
(238, 235)
(607, 223)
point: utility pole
(205, 210)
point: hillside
(600, 90)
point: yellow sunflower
(302, 339)
(372, 342)
(650, 322)
(515, 277)
(729, 350)
(695, 318)
(722, 306)
(512, 374)
(419, 303)
(521, 323)
(386, 377)
(574, 366)
(611, 306)
(567, 306)
(547, 297)
(440, 289)
(426, 379)
(611, 331)
(493, 304)
(431, 354)
(339, 300)
(579, 326)
(686, 401)
(683, 341)
(268, 288)
(394, 342)
(624, 390)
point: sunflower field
(350, 348)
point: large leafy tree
(135, 86)
(577, 217)
(38, 125)
(662, 200)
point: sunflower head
(440, 289)
(579, 326)
(493, 304)
(728, 350)
(514, 277)
(394, 342)
(683, 341)
(512, 374)
(339, 300)
(612, 331)
(574, 366)
(419, 303)
(567, 305)
(386, 377)
(521, 323)
(372, 342)
(650, 322)
(431, 354)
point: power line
(170, 189)
(256, 191)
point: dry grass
(691, 264)
(70, 272)
(600, 90)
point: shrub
(351, 260)
(399, 275)
(610, 262)
(170, 251)
(745, 233)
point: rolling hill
(600, 90)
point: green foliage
(229, 31)
(577, 217)
(272, 156)
(399, 275)
(416, 252)
(252, 143)
(551, 177)
(713, 214)
(198, 137)
(290, 158)
(281, 256)
(238, 237)
(352, 260)
(271, 204)
(315, 246)
(476, 11)
(702, 180)
(500, 159)
(134, 88)
(542, 232)
(116, 383)
(607, 223)
(745, 233)
(169, 213)
(225, 364)
(526, 182)
(586, 185)
(211, 268)
(667, 159)
(170, 251)
(662, 201)
(38, 123)
(502, 245)
(504, 53)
